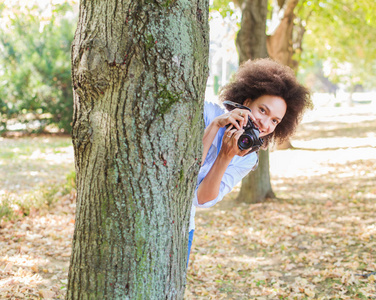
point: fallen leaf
(46, 294)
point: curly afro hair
(256, 78)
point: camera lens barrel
(250, 140)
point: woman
(277, 102)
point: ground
(314, 241)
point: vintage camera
(250, 138)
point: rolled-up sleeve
(233, 175)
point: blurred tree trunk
(280, 42)
(256, 185)
(251, 38)
(136, 66)
(251, 44)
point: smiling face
(268, 111)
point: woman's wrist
(224, 157)
(216, 123)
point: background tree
(341, 35)
(251, 44)
(139, 72)
(290, 21)
(339, 32)
(251, 38)
(280, 42)
(35, 67)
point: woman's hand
(230, 146)
(237, 117)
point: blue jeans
(190, 240)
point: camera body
(250, 139)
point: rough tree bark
(251, 44)
(139, 71)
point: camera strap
(232, 105)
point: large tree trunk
(251, 43)
(139, 71)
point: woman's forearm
(209, 188)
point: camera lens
(245, 142)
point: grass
(35, 172)
(13, 206)
(6, 210)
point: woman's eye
(275, 122)
(262, 110)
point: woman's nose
(264, 125)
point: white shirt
(237, 169)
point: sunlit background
(312, 241)
(336, 59)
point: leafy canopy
(341, 33)
(35, 64)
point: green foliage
(224, 7)
(168, 3)
(35, 58)
(341, 32)
(6, 210)
(41, 197)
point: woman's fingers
(242, 116)
(228, 131)
(250, 115)
(231, 132)
(245, 115)
(230, 141)
(238, 134)
(233, 136)
(238, 118)
(236, 137)
(244, 152)
(229, 128)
